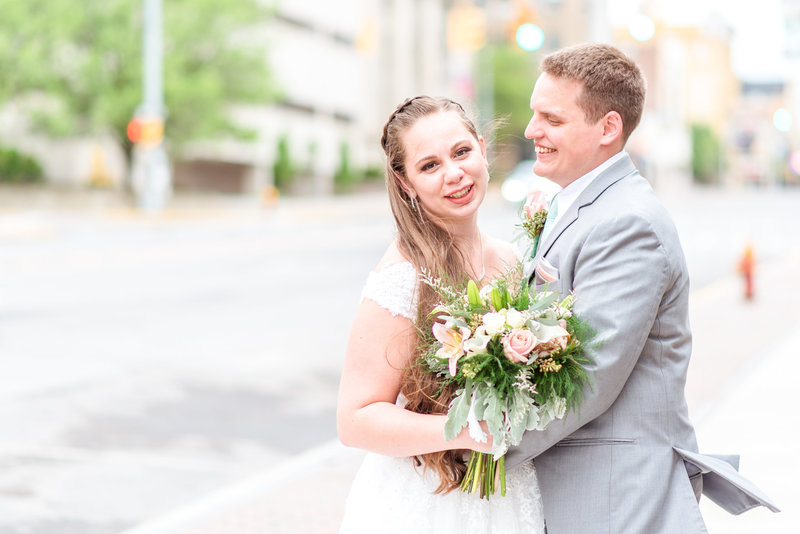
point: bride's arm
(380, 346)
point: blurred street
(160, 372)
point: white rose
(515, 319)
(494, 322)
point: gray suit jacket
(613, 468)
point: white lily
(478, 342)
(545, 333)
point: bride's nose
(453, 172)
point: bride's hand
(465, 441)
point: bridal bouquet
(516, 357)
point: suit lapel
(601, 183)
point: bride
(436, 175)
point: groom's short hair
(611, 81)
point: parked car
(522, 180)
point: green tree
(16, 167)
(514, 72)
(345, 177)
(283, 170)
(706, 154)
(77, 67)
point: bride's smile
(446, 166)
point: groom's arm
(620, 277)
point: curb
(246, 506)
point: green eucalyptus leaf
(542, 301)
(458, 412)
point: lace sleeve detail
(395, 288)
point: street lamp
(150, 173)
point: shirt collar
(570, 194)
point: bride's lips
(462, 196)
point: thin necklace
(483, 258)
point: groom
(627, 462)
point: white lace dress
(391, 495)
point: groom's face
(567, 147)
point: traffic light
(466, 28)
(146, 130)
(523, 27)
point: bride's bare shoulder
(392, 256)
(503, 252)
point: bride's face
(446, 166)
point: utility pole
(150, 171)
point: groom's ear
(612, 128)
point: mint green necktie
(552, 212)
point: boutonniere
(534, 215)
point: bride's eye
(428, 166)
(463, 151)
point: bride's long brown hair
(428, 245)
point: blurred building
(690, 82)
(763, 139)
(758, 148)
(791, 17)
(341, 68)
(569, 22)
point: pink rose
(518, 343)
(536, 202)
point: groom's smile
(567, 147)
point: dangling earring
(413, 204)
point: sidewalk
(741, 396)
(750, 361)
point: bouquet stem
(484, 474)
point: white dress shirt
(568, 195)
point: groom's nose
(532, 130)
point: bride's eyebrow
(424, 160)
(456, 145)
